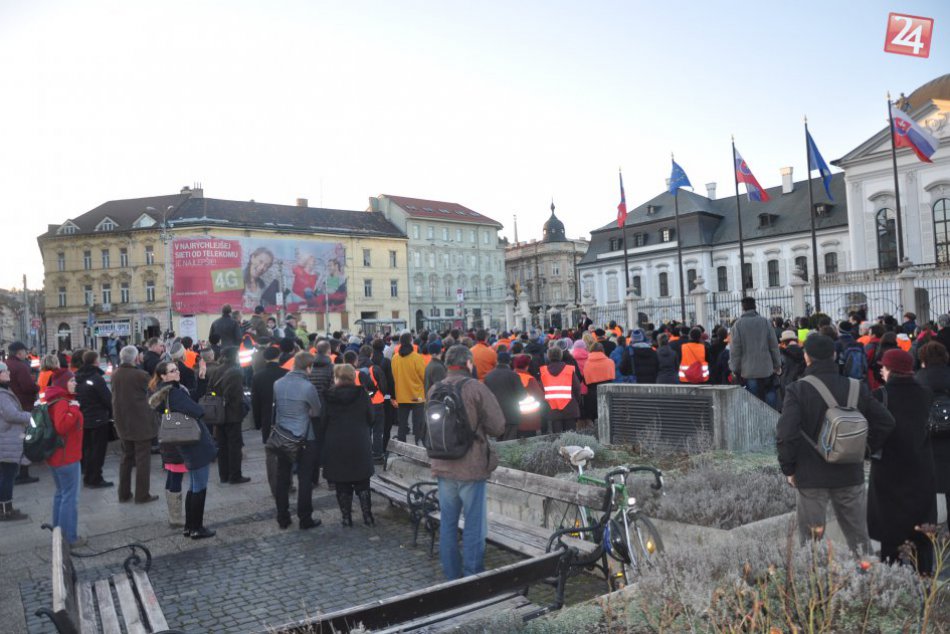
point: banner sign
(294, 273)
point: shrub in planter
(544, 457)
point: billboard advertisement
(247, 272)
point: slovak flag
(744, 175)
(907, 133)
(622, 207)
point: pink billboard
(248, 272)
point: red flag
(622, 207)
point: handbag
(176, 428)
(283, 442)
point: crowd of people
(328, 405)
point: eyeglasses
(171, 370)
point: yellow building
(105, 270)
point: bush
(719, 497)
(543, 457)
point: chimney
(197, 191)
(302, 202)
(711, 191)
(667, 184)
(787, 186)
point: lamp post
(166, 244)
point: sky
(498, 106)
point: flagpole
(735, 177)
(623, 239)
(897, 191)
(811, 216)
(679, 250)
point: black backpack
(448, 433)
(854, 363)
(626, 362)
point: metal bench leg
(48, 614)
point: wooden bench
(469, 600)
(97, 606)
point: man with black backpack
(817, 477)
(461, 414)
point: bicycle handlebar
(657, 475)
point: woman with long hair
(168, 394)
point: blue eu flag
(678, 179)
(817, 162)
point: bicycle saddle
(576, 455)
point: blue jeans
(66, 500)
(764, 390)
(457, 497)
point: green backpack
(41, 439)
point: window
(432, 260)
(394, 288)
(449, 287)
(415, 231)
(772, 266)
(124, 293)
(417, 259)
(105, 258)
(434, 311)
(613, 288)
(471, 236)
(637, 288)
(664, 285)
(458, 235)
(418, 288)
(367, 259)
(62, 297)
(886, 239)
(107, 293)
(639, 239)
(430, 233)
(149, 254)
(67, 229)
(150, 291)
(831, 262)
(486, 237)
(61, 261)
(666, 235)
(555, 268)
(124, 258)
(107, 225)
(690, 279)
(445, 233)
(722, 279)
(450, 312)
(747, 279)
(802, 263)
(392, 260)
(367, 288)
(87, 295)
(616, 244)
(941, 229)
(87, 260)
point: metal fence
(658, 310)
(875, 297)
(603, 315)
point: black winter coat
(793, 367)
(938, 380)
(646, 364)
(262, 393)
(95, 399)
(228, 329)
(345, 434)
(508, 390)
(228, 381)
(187, 377)
(803, 412)
(193, 456)
(150, 361)
(667, 366)
(902, 491)
(321, 374)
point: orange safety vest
(288, 364)
(377, 397)
(692, 354)
(245, 352)
(558, 389)
(34, 362)
(904, 344)
(191, 358)
(43, 380)
(426, 358)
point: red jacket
(68, 422)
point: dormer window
(651, 209)
(666, 235)
(822, 209)
(767, 220)
(107, 224)
(639, 239)
(143, 221)
(67, 229)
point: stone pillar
(798, 292)
(699, 294)
(509, 311)
(907, 286)
(631, 308)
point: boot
(173, 500)
(10, 514)
(189, 514)
(366, 505)
(24, 477)
(345, 500)
(199, 531)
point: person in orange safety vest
(694, 359)
(562, 393)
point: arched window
(886, 224)
(690, 279)
(801, 262)
(942, 229)
(613, 288)
(773, 272)
(748, 281)
(831, 262)
(722, 279)
(664, 285)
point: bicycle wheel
(577, 517)
(643, 540)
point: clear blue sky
(495, 105)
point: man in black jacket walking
(818, 481)
(227, 328)
(95, 402)
(508, 389)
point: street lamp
(168, 270)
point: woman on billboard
(260, 280)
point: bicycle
(627, 535)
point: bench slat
(153, 611)
(87, 608)
(110, 620)
(64, 590)
(520, 537)
(130, 609)
(450, 620)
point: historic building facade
(105, 270)
(545, 272)
(456, 262)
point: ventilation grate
(670, 421)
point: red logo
(908, 35)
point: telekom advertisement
(248, 272)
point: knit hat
(898, 361)
(579, 344)
(819, 347)
(789, 335)
(522, 361)
(61, 378)
(637, 336)
(504, 357)
(434, 347)
(271, 353)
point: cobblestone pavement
(252, 574)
